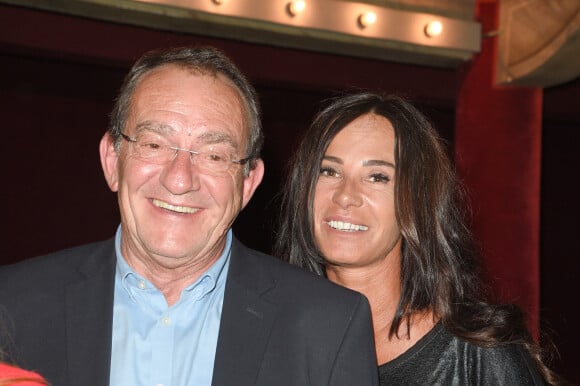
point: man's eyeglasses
(156, 149)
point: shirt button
(166, 321)
(141, 284)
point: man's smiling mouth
(346, 226)
(174, 208)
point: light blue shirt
(154, 344)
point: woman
(371, 202)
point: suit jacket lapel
(247, 319)
(89, 318)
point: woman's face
(354, 200)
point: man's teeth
(347, 227)
(174, 208)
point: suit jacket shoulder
(58, 268)
(57, 312)
(283, 326)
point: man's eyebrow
(378, 162)
(211, 137)
(156, 127)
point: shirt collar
(215, 275)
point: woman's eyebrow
(378, 162)
(332, 159)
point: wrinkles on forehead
(173, 102)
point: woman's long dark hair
(439, 262)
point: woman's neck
(381, 285)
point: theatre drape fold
(498, 156)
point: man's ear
(252, 181)
(109, 161)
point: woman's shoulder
(506, 364)
(443, 358)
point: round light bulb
(295, 7)
(367, 19)
(433, 28)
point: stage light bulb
(433, 29)
(367, 19)
(295, 7)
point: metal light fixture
(323, 25)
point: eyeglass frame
(241, 161)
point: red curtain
(498, 150)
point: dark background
(58, 78)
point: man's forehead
(220, 80)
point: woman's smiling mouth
(346, 226)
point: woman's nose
(348, 194)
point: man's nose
(181, 174)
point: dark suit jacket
(280, 325)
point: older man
(174, 298)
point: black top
(440, 358)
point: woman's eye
(379, 177)
(329, 172)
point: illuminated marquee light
(378, 25)
(367, 19)
(295, 7)
(433, 29)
